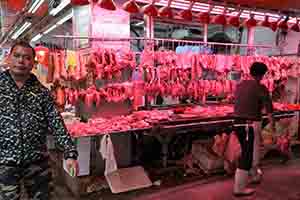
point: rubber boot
(255, 172)
(255, 175)
(240, 183)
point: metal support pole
(149, 28)
(164, 140)
(250, 41)
(205, 33)
(148, 44)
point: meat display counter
(166, 131)
(163, 124)
(167, 122)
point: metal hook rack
(172, 42)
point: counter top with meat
(137, 121)
(166, 118)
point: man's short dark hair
(258, 69)
(22, 44)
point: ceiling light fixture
(35, 6)
(60, 22)
(37, 37)
(61, 6)
(139, 23)
(259, 17)
(218, 9)
(50, 29)
(66, 18)
(21, 30)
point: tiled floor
(281, 182)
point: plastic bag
(233, 148)
(107, 152)
(283, 143)
(220, 143)
(281, 139)
(232, 153)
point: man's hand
(273, 128)
(272, 123)
(72, 167)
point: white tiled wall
(265, 36)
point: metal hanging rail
(100, 39)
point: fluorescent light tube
(259, 17)
(21, 30)
(35, 3)
(139, 23)
(66, 18)
(50, 29)
(37, 37)
(61, 6)
(35, 6)
(61, 21)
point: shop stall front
(181, 82)
(131, 77)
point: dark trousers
(247, 143)
(36, 178)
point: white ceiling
(9, 18)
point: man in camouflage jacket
(27, 112)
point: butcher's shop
(149, 99)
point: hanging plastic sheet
(107, 152)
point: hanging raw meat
(295, 27)
(88, 100)
(97, 98)
(193, 67)
(221, 63)
(266, 22)
(107, 4)
(221, 19)
(274, 25)
(51, 68)
(68, 93)
(98, 62)
(131, 6)
(57, 67)
(72, 96)
(77, 74)
(82, 64)
(75, 96)
(60, 96)
(150, 9)
(250, 23)
(178, 90)
(283, 25)
(79, 2)
(166, 11)
(187, 14)
(211, 62)
(70, 65)
(89, 96)
(64, 73)
(235, 20)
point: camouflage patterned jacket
(26, 116)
